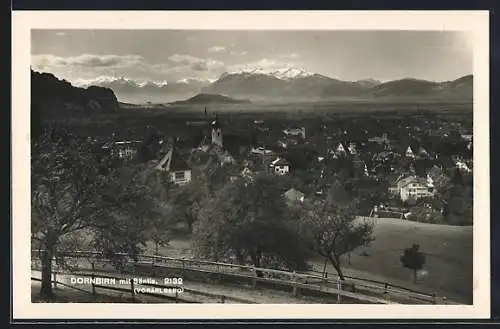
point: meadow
(448, 249)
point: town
(400, 167)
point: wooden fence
(134, 288)
(351, 288)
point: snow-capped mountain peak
(113, 80)
(291, 73)
(286, 73)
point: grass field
(448, 249)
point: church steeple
(216, 132)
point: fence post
(295, 287)
(222, 299)
(254, 278)
(132, 291)
(434, 298)
(339, 288)
(93, 279)
(386, 291)
(54, 281)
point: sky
(179, 55)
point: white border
(23, 21)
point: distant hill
(460, 88)
(299, 85)
(201, 99)
(53, 98)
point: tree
(249, 222)
(149, 149)
(333, 227)
(413, 259)
(459, 200)
(187, 200)
(159, 227)
(73, 191)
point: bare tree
(73, 190)
(334, 228)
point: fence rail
(216, 298)
(368, 291)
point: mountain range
(287, 84)
(131, 91)
(311, 86)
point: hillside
(201, 99)
(54, 98)
(262, 86)
(460, 88)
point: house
(247, 174)
(290, 141)
(467, 137)
(280, 166)
(293, 196)
(125, 150)
(295, 132)
(261, 151)
(422, 153)
(409, 152)
(352, 148)
(384, 139)
(176, 166)
(413, 187)
(342, 150)
(462, 165)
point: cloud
(216, 49)
(88, 66)
(196, 63)
(86, 61)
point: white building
(409, 153)
(296, 132)
(280, 166)
(179, 171)
(413, 187)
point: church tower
(216, 133)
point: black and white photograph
(234, 165)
